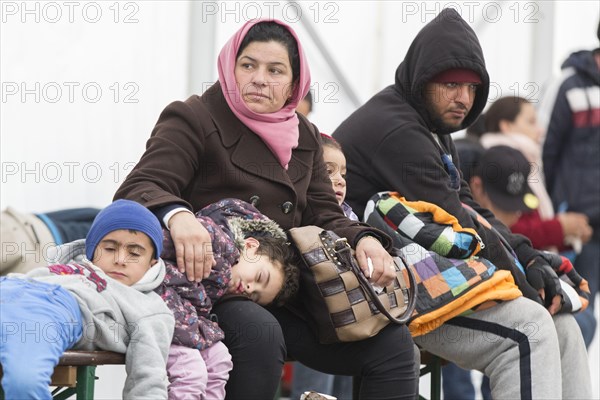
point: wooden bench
(75, 373)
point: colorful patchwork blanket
(451, 279)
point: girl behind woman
(306, 378)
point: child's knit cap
(124, 214)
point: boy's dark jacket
(389, 144)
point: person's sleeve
(191, 303)
(181, 291)
(202, 295)
(559, 126)
(225, 255)
(407, 161)
(173, 154)
(322, 208)
(542, 233)
(165, 213)
(146, 357)
(519, 243)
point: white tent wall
(79, 99)
(83, 82)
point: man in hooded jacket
(400, 141)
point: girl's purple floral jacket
(228, 222)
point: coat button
(287, 207)
(255, 200)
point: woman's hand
(383, 264)
(193, 246)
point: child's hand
(193, 246)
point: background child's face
(336, 168)
(125, 255)
(255, 275)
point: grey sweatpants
(526, 353)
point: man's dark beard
(438, 125)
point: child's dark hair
(329, 141)
(272, 31)
(278, 251)
(309, 100)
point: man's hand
(383, 264)
(542, 277)
(193, 246)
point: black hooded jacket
(389, 144)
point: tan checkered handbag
(339, 301)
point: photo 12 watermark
(69, 92)
(289, 11)
(55, 332)
(328, 92)
(13, 172)
(54, 12)
(69, 172)
(527, 12)
(530, 91)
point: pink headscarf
(279, 130)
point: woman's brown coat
(199, 152)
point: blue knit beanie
(124, 214)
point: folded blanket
(451, 279)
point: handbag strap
(344, 252)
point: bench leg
(86, 378)
(434, 369)
(436, 379)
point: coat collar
(245, 144)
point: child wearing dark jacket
(252, 260)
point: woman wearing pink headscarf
(243, 139)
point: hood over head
(445, 43)
(241, 228)
(583, 61)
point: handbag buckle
(406, 294)
(341, 243)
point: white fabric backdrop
(83, 82)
